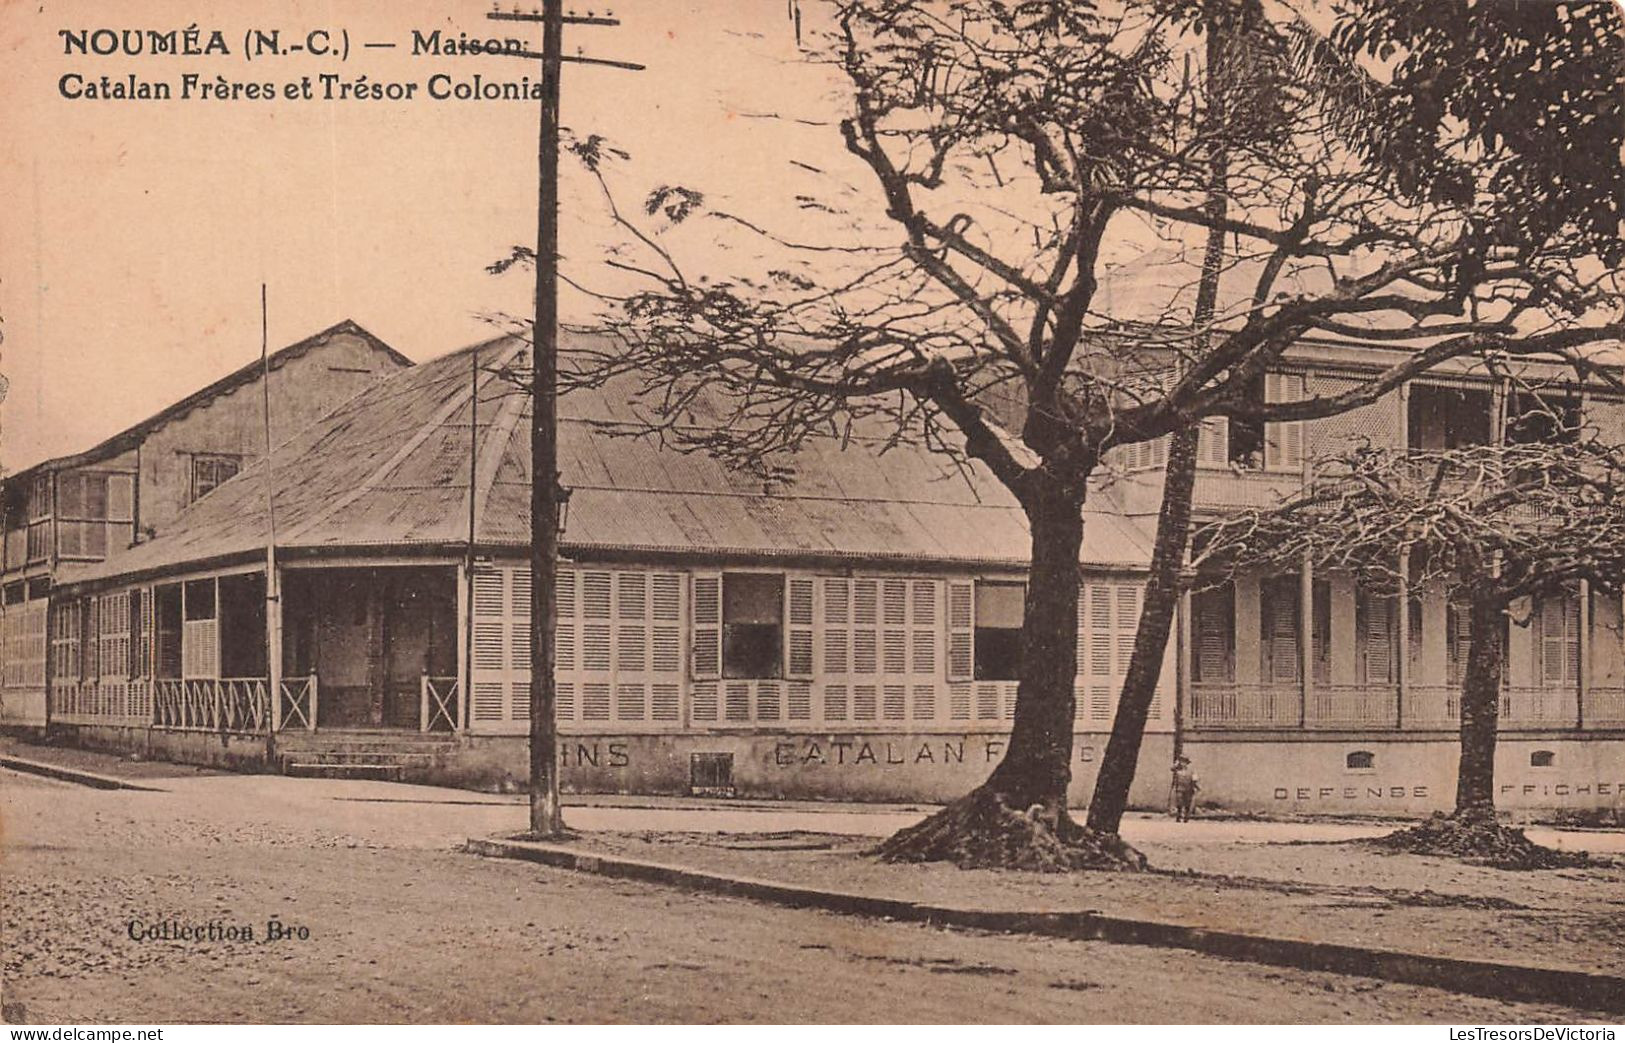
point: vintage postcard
(811, 511)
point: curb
(1501, 981)
(74, 775)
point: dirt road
(399, 931)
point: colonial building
(850, 634)
(96, 504)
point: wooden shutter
(1213, 442)
(490, 658)
(707, 635)
(1560, 640)
(961, 630)
(798, 621)
(1375, 635)
(1281, 611)
(1283, 442)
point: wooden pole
(273, 599)
(546, 818)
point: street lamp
(561, 496)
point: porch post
(465, 639)
(273, 642)
(1306, 638)
(1402, 639)
(1182, 684)
(1583, 685)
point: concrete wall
(1408, 777)
(236, 752)
(930, 767)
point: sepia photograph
(812, 512)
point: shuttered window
(881, 648)
(65, 624)
(618, 648)
(1213, 635)
(1283, 441)
(1376, 634)
(1213, 442)
(1108, 620)
(1282, 662)
(1560, 640)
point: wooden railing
(1236, 707)
(1605, 708)
(1353, 706)
(440, 703)
(298, 709)
(229, 705)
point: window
(1541, 418)
(1246, 436)
(1560, 640)
(1376, 635)
(1213, 633)
(1542, 759)
(1000, 609)
(1360, 760)
(16, 593)
(1278, 623)
(211, 470)
(95, 513)
(199, 599)
(1458, 641)
(1440, 418)
(752, 625)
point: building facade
(96, 504)
(850, 635)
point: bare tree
(1016, 153)
(1488, 526)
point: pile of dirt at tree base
(1480, 840)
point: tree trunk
(1162, 590)
(1480, 711)
(1018, 817)
(1122, 756)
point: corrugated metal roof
(391, 468)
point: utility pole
(546, 818)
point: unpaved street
(401, 928)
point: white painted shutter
(1283, 442)
(1560, 640)
(707, 617)
(1213, 442)
(961, 630)
(491, 659)
(1281, 632)
(798, 612)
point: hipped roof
(390, 471)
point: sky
(136, 234)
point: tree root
(1476, 837)
(981, 831)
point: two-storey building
(94, 505)
(852, 634)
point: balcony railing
(1353, 706)
(1605, 708)
(1369, 707)
(1234, 706)
(229, 705)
